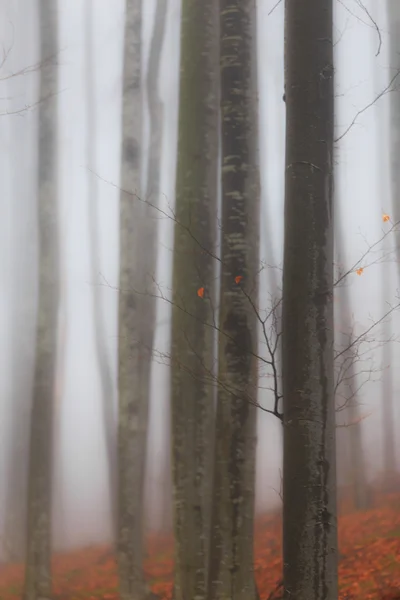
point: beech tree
(137, 298)
(231, 562)
(194, 268)
(38, 569)
(132, 414)
(309, 471)
(389, 449)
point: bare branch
(387, 89)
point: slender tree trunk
(348, 377)
(103, 360)
(309, 484)
(131, 403)
(38, 569)
(389, 448)
(192, 341)
(59, 530)
(137, 313)
(23, 291)
(232, 575)
(156, 112)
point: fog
(82, 498)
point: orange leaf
(385, 218)
(238, 278)
(200, 292)
(360, 271)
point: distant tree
(133, 404)
(309, 472)
(137, 298)
(231, 561)
(389, 448)
(103, 359)
(22, 294)
(347, 382)
(38, 570)
(194, 268)
(155, 107)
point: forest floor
(369, 561)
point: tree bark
(133, 405)
(309, 485)
(232, 574)
(193, 317)
(103, 360)
(38, 569)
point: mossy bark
(231, 563)
(194, 317)
(309, 465)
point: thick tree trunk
(192, 342)
(103, 360)
(309, 485)
(232, 575)
(133, 403)
(38, 570)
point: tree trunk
(24, 284)
(309, 484)
(138, 255)
(103, 360)
(348, 385)
(59, 532)
(232, 575)
(38, 569)
(193, 317)
(389, 449)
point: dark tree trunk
(309, 486)
(231, 570)
(193, 316)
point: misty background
(81, 500)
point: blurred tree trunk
(103, 359)
(137, 295)
(193, 335)
(59, 532)
(156, 112)
(22, 349)
(389, 447)
(24, 286)
(231, 563)
(152, 189)
(348, 383)
(132, 404)
(309, 474)
(38, 568)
